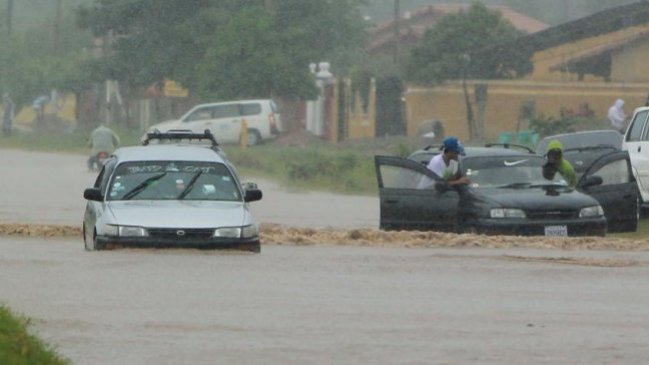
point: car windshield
(173, 180)
(508, 171)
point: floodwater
(47, 188)
(330, 304)
(328, 287)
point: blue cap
(453, 145)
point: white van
(224, 120)
(636, 142)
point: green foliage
(19, 347)
(547, 126)
(453, 49)
(317, 167)
(34, 62)
(226, 48)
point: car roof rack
(179, 135)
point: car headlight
(507, 213)
(250, 231)
(228, 232)
(237, 232)
(594, 211)
(125, 231)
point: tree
(457, 49)
(225, 48)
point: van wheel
(254, 138)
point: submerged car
(585, 147)
(508, 195)
(601, 152)
(170, 194)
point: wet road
(315, 305)
(47, 188)
(325, 304)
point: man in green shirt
(556, 163)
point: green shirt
(563, 166)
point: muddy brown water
(327, 288)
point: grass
(19, 347)
(347, 167)
(60, 141)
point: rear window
(250, 109)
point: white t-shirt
(439, 167)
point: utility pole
(10, 10)
(397, 35)
(57, 26)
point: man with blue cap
(445, 164)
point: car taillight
(273, 123)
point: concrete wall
(504, 100)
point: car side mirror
(252, 195)
(593, 180)
(93, 194)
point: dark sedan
(600, 153)
(508, 195)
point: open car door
(412, 197)
(618, 192)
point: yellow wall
(630, 63)
(66, 111)
(446, 103)
(363, 124)
(544, 59)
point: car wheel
(254, 138)
(93, 245)
(85, 238)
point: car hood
(179, 214)
(537, 198)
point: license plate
(556, 231)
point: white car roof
(233, 102)
(167, 153)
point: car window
(635, 132)
(172, 180)
(616, 172)
(104, 175)
(273, 107)
(226, 111)
(397, 177)
(199, 114)
(250, 109)
(499, 171)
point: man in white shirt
(617, 116)
(445, 164)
